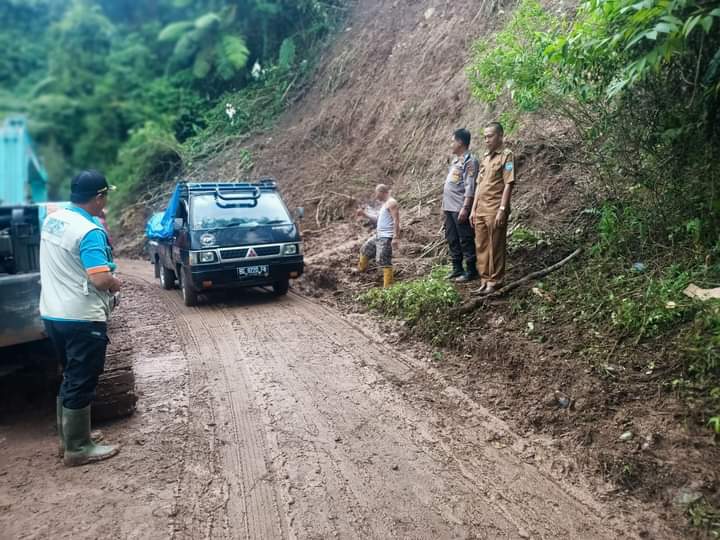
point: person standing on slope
(491, 209)
(457, 201)
(386, 237)
(77, 295)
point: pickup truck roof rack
(264, 184)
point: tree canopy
(92, 75)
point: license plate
(253, 271)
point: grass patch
(422, 303)
(525, 238)
(705, 517)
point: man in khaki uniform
(491, 208)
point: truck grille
(241, 253)
(267, 251)
(233, 253)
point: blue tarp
(160, 225)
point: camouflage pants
(380, 249)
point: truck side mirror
(177, 224)
(299, 212)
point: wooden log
(472, 305)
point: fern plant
(208, 45)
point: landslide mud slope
(382, 107)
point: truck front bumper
(226, 275)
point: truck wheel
(167, 278)
(115, 393)
(280, 288)
(190, 296)
(156, 266)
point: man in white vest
(78, 287)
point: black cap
(87, 185)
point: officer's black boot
(457, 270)
(471, 274)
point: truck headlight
(290, 249)
(202, 257)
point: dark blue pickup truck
(214, 236)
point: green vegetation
(523, 237)
(640, 84)
(423, 303)
(138, 88)
(704, 516)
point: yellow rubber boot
(363, 263)
(387, 277)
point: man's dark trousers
(80, 347)
(461, 241)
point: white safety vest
(67, 293)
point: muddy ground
(268, 418)
(555, 381)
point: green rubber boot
(96, 435)
(79, 447)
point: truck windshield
(206, 214)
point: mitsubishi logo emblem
(251, 253)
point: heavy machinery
(23, 344)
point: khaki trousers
(490, 244)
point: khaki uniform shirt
(498, 170)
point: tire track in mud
(201, 492)
(320, 431)
(438, 493)
(249, 502)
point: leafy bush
(654, 307)
(254, 107)
(150, 157)
(640, 84)
(524, 237)
(427, 299)
(703, 346)
(514, 63)
(704, 516)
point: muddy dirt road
(269, 418)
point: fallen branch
(317, 212)
(432, 246)
(342, 195)
(472, 305)
(312, 232)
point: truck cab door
(181, 234)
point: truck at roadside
(225, 235)
(23, 344)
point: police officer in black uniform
(458, 196)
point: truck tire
(115, 394)
(167, 278)
(156, 267)
(190, 295)
(280, 288)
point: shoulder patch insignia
(509, 166)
